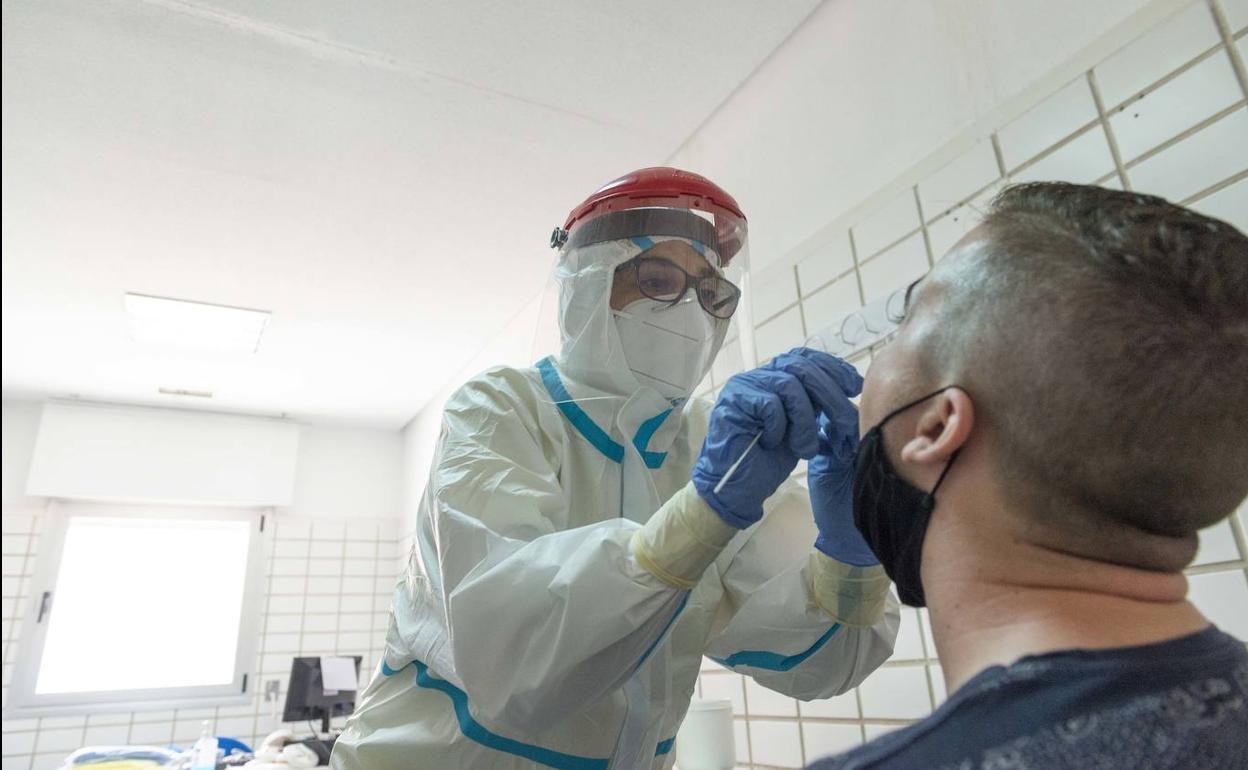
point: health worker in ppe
(589, 532)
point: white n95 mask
(669, 347)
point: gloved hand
(778, 403)
(831, 478)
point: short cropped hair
(1105, 341)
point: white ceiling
(381, 176)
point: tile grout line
(130, 728)
(1215, 188)
(801, 732)
(1228, 42)
(342, 573)
(28, 578)
(745, 706)
(1102, 181)
(890, 722)
(23, 588)
(1239, 537)
(1061, 142)
(1103, 112)
(262, 650)
(853, 251)
(82, 734)
(341, 557)
(895, 243)
(1053, 148)
(927, 667)
(801, 306)
(821, 287)
(927, 239)
(1216, 117)
(373, 631)
(862, 724)
(307, 575)
(945, 211)
(838, 720)
(1229, 565)
(1002, 173)
(1173, 74)
(1103, 119)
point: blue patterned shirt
(1176, 704)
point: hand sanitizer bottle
(204, 755)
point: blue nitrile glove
(781, 402)
(831, 478)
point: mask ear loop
(943, 474)
(929, 497)
(915, 402)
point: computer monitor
(306, 699)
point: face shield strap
(634, 224)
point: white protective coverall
(527, 634)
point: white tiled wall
(1172, 121)
(834, 260)
(899, 264)
(1196, 162)
(1203, 90)
(1156, 54)
(892, 222)
(1045, 125)
(328, 589)
(1084, 159)
(831, 302)
(959, 180)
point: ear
(943, 427)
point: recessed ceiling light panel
(198, 325)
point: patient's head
(1102, 338)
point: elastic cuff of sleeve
(854, 596)
(726, 515)
(681, 539)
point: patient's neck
(995, 598)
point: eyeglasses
(662, 280)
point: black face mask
(891, 513)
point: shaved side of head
(1104, 338)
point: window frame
(24, 702)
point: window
(139, 607)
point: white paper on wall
(337, 674)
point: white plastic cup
(705, 740)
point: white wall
(527, 337)
(21, 425)
(106, 452)
(343, 472)
(340, 472)
(866, 89)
